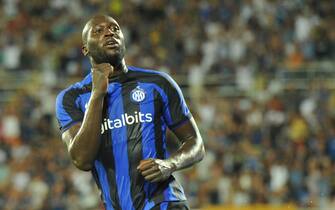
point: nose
(109, 32)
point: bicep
(70, 133)
(188, 130)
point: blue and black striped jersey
(139, 106)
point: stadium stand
(259, 76)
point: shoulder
(153, 75)
(75, 90)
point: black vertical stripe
(156, 207)
(134, 146)
(69, 103)
(106, 157)
(158, 125)
(70, 97)
(160, 152)
(175, 102)
(96, 179)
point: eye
(97, 30)
(115, 28)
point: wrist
(97, 95)
(172, 165)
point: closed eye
(97, 30)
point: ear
(84, 50)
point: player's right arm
(83, 139)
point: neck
(120, 68)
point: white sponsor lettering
(125, 119)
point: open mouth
(111, 43)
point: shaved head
(89, 24)
(85, 32)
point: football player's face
(105, 41)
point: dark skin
(103, 43)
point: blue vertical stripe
(104, 184)
(119, 136)
(148, 205)
(148, 136)
(167, 155)
(164, 205)
(169, 195)
(63, 117)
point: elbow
(82, 165)
(202, 153)
(80, 161)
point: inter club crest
(137, 95)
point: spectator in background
(232, 41)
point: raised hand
(100, 74)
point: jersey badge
(137, 95)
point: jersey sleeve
(67, 109)
(175, 109)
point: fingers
(145, 164)
(101, 65)
(105, 68)
(155, 177)
(100, 74)
(150, 170)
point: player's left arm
(192, 148)
(190, 152)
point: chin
(113, 53)
(112, 56)
(114, 59)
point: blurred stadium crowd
(266, 142)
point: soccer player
(114, 124)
